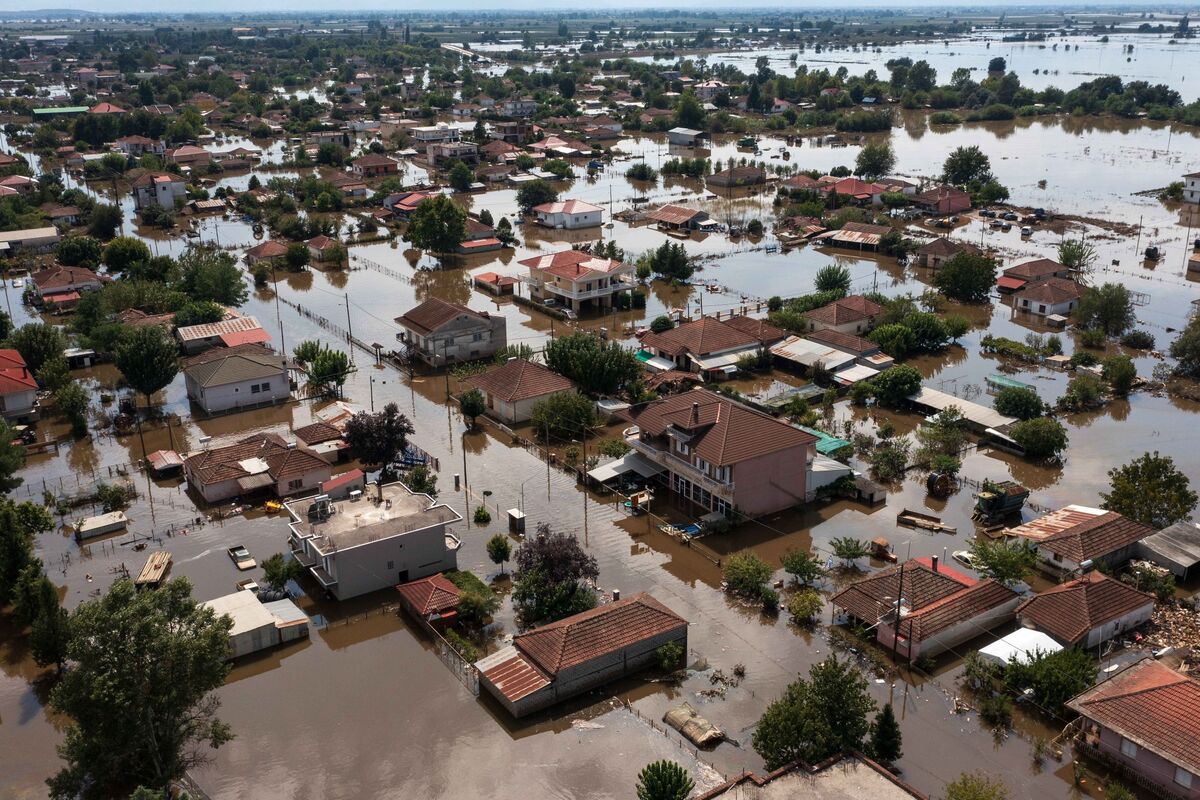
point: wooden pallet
(154, 570)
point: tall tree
(885, 741)
(551, 577)
(138, 690)
(595, 365)
(1150, 490)
(49, 632)
(833, 278)
(1108, 308)
(875, 160)
(208, 273)
(499, 549)
(967, 277)
(38, 343)
(123, 252)
(664, 780)
(438, 224)
(535, 193)
(472, 404)
(148, 358)
(377, 439)
(967, 165)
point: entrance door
(403, 576)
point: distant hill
(49, 14)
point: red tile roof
(222, 463)
(14, 374)
(674, 215)
(760, 329)
(268, 249)
(572, 264)
(844, 341)
(942, 246)
(1052, 291)
(374, 160)
(700, 337)
(844, 311)
(1070, 611)
(723, 432)
(959, 607)
(1153, 706)
(513, 675)
(60, 277)
(432, 595)
(518, 379)
(567, 207)
(1035, 270)
(1096, 537)
(596, 633)
(873, 596)
(434, 313)
(316, 433)
(209, 330)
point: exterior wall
(512, 413)
(1102, 633)
(1045, 309)
(1191, 190)
(455, 341)
(18, 404)
(577, 680)
(772, 482)
(252, 641)
(858, 327)
(308, 481)
(159, 194)
(213, 493)
(1113, 559)
(950, 637)
(384, 562)
(588, 219)
(235, 395)
(1150, 766)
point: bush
(802, 565)
(1094, 338)
(1040, 437)
(1138, 340)
(669, 655)
(1020, 402)
(662, 324)
(481, 516)
(804, 606)
(746, 574)
(996, 710)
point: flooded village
(659, 404)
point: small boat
(248, 585)
(241, 558)
(914, 519)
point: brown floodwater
(310, 717)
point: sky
(344, 6)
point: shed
(1176, 548)
(91, 527)
(1022, 644)
(290, 620)
(253, 625)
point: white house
(512, 389)
(1049, 297)
(576, 280)
(1087, 611)
(258, 625)
(158, 189)
(685, 137)
(569, 214)
(18, 388)
(227, 378)
(428, 134)
(388, 536)
(439, 333)
(1191, 188)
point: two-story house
(387, 536)
(1191, 188)
(160, 189)
(18, 388)
(577, 280)
(723, 455)
(439, 333)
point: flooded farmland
(365, 707)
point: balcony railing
(669, 460)
(586, 294)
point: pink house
(722, 455)
(1145, 722)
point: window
(1183, 777)
(1128, 748)
(266, 387)
(254, 389)
(391, 566)
(1058, 556)
(1041, 309)
(296, 484)
(478, 337)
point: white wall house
(224, 379)
(1191, 188)
(569, 215)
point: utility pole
(896, 622)
(349, 329)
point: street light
(372, 390)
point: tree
(563, 416)
(16, 557)
(328, 370)
(296, 257)
(1077, 255)
(278, 570)
(670, 260)
(997, 65)
(472, 404)
(208, 273)
(977, 785)
(476, 605)
(1120, 373)
(535, 193)
(895, 384)
(875, 160)
(551, 569)
(438, 225)
(38, 343)
(662, 324)
(199, 312)
(1108, 308)
(1019, 401)
(1150, 490)
(1040, 437)
(1004, 562)
(596, 366)
(966, 277)
(499, 549)
(73, 401)
(664, 780)
(746, 574)
(49, 632)
(804, 605)
(148, 358)
(1054, 678)
(689, 113)
(460, 177)
(967, 165)
(833, 278)
(1186, 349)
(816, 718)
(76, 251)
(104, 221)
(849, 549)
(802, 565)
(138, 691)
(377, 439)
(896, 340)
(885, 742)
(123, 252)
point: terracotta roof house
(317, 433)
(933, 255)
(322, 247)
(61, 286)
(850, 776)
(232, 378)
(576, 280)
(18, 387)
(801, 182)
(21, 184)
(432, 600)
(861, 192)
(512, 389)
(374, 165)
(676, 217)
(266, 252)
(438, 332)
(106, 108)
(762, 330)
(226, 333)
(854, 236)
(565, 658)
(497, 149)
(703, 345)
(737, 176)
(723, 455)
(1145, 720)
(1087, 611)
(136, 318)
(402, 204)
(854, 314)
(1039, 269)
(1070, 536)
(569, 214)
(943, 200)
(1048, 297)
(265, 461)
(386, 536)
(941, 608)
(188, 155)
(845, 342)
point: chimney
(695, 412)
(934, 561)
(379, 489)
(616, 594)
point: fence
(679, 741)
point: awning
(630, 462)
(722, 361)
(654, 363)
(1009, 284)
(252, 482)
(1022, 644)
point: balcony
(323, 577)
(584, 294)
(298, 553)
(688, 470)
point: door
(403, 577)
